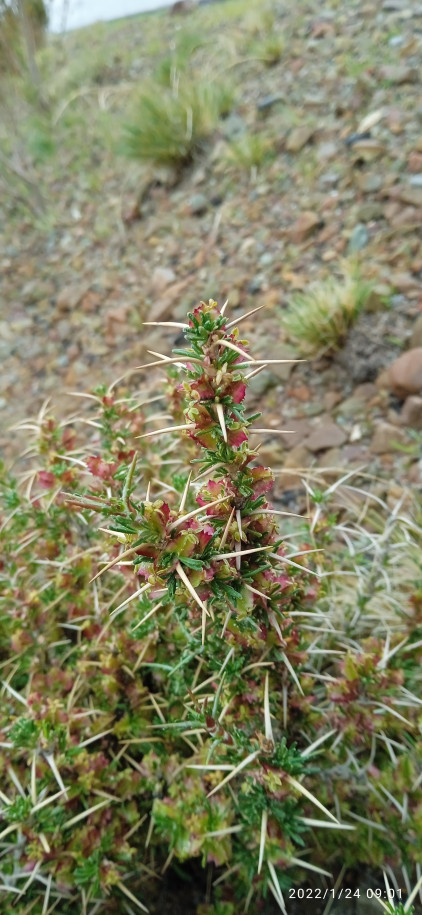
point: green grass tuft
(171, 126)
(318, 320)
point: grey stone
(262, 382)
(255, 284)
(266, 259)
(358, 239)
(233, 126)
(370, 184)
(326, 435)
(370, 211)
(198, 204)
(415, 180)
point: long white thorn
(114, 562)
(164, 360)
(275, 886)
(238, 546)
(47, 895)
(309, 867)
(148, 615)
(255, 371)
(167, 429)
(235, 349)
(197, 511)
(273, 511)
(264, 821)
(246, 315)
(308, 821)
(297, 785)
(223, 307)
(52, 763)
(14, 693)
(292, 671)
(47, 800)
(267, 715)
(313, 746)
(413, 894)
(128, 600)
(85, 813)
(165, 324)
(204, 624)
(257, 549)
(182, 574)
(14, 778)
(255, 591)
(245, 762)
(185, 492)
(296, 565)
(123, 889)
(226, 529)
(221, 420)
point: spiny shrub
(197, 690)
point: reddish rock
(405, 373)
(366, 391)
(414, 163)
(415, 472)
(331, 458)
(326, 435)
(321, 28)
(385, 437)
(302, 393)
(411, 414)
(331, 399)
(70, 297)
(298, 459)
(301, 429)
(298, 138)
(304, 227)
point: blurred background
(256, 150)
(64, 15)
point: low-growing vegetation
(188, 672)
(170, 126)
(319, 319)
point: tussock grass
(171, 126)
(318, 320)
(250, 151)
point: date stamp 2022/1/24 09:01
(390, 895)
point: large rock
(326, 435)
(305, 226)
(405, 373)
(298, 459)
(411, 414)
(386, 437)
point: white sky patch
(75, 14)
